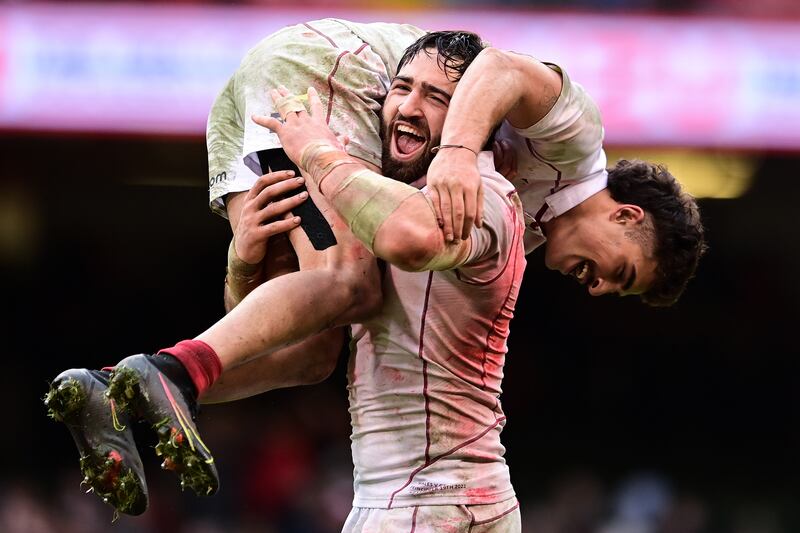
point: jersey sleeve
(560, 159)
(570, 136)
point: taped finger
(433, 194)
(290, 104)
(314, 103)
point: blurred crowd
(285, 464)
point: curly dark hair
(455, 50)
(678, 237)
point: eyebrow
(425, 85)
(631, 279)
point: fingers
(268, 122)
(277, 210)
(470, 212)
(457, 207)
(433, 194)
(447, 215)
(314, 103)
(276, 190)
(278, 226)
(267, 180)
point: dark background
(108, 249)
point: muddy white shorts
(503, 517)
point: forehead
(425, 67)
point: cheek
(388, 111)
(435, 119)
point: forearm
(240, 278)
(498, 85)
(394, 220)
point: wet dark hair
(455, 51)
(678, 236)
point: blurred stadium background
(623, 419)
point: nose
(602, 286)
(410, 106)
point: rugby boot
(140, 388)
(109, 460)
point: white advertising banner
(149, 69)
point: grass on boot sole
(180, 457)
(172, 445)
(124, 389)
(105, 475)
(64, 402)
(114, 484)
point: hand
(456, 190)
(299, 128)
(505, 159)
(264, 215)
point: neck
(420, 182)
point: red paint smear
(481, 494)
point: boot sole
(105, 473)
(178, 450)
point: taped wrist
(365, 200)
(320, 158)
(241, 277)
(450, 257)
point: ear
(628, 214)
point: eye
(439, 100)
(400, 87)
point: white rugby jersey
(424, 376)
(560, 159)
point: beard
(405, 171)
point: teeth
(581, 273)
(408, 129)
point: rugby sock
(192, 365)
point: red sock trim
(200, 360)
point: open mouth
(582, 272)
(408, 142)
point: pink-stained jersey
(425, 374)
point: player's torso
(424, 385)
